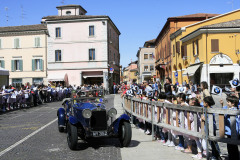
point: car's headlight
(112, 112)
(87, 113)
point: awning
(191, 69)
(4, 72)
(92, 76)
(57, 76)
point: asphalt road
(32, 134)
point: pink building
(82, 48)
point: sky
(137, 20)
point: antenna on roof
(22, 14)
(6, 9)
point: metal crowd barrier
(160, 114)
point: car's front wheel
(60, 129)
(125, 134)
(72, 136)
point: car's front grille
(98, 121)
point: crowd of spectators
(25, 96)
(184, 95)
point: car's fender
(73, 120)
(116, 123)
(61, 117)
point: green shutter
(15, 43)
(21, 65)
(41, 64)
(33, 65)
(12, 66)
(38, 42)
(35, 42)
(3, 64)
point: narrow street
(33, 134)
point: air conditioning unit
(110, 42)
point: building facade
(163, 43)
(82, 48)
(130, 72)
(208, 50)
(146, 62)
(23, 51)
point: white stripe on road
(27, 137)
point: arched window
(68, 12)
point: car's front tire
(72, 136)
(60, 129)
(125, 134)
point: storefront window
(37, 80)
(16, 82)
(220, 79)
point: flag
(181, 89)
(227, 89)
(234, 83)
(129, 92)
(195, 87)
(216, 90)
(139, 91)
(153, 55)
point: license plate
(99, 133)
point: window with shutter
(2, 63)
(21, 65)
(41, 65)
(193, 47)
(165, 51)
(178, 47)
(58, 55)
(214, 45)
(91, 30)
(12, 66)
(173, 51)
(91, 54)
(33, 65)
(197, 47)
(145, 56)
(16, 43)
(182, 50)
(58, 32)
(37, 41)
(185, 50)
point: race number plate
(99, 133)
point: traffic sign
(111, 69)
(176, 74)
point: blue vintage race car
(87, 117)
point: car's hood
(91, 106)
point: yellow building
(130, 73)
(23, 51)
(207, 50)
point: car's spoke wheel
(72, 137)
(125, 135)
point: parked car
(85, 116)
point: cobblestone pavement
(48, 143)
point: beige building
(130, 73)
(146, 62)
(23, 51)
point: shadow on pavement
(98, 143)
(134, 143)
